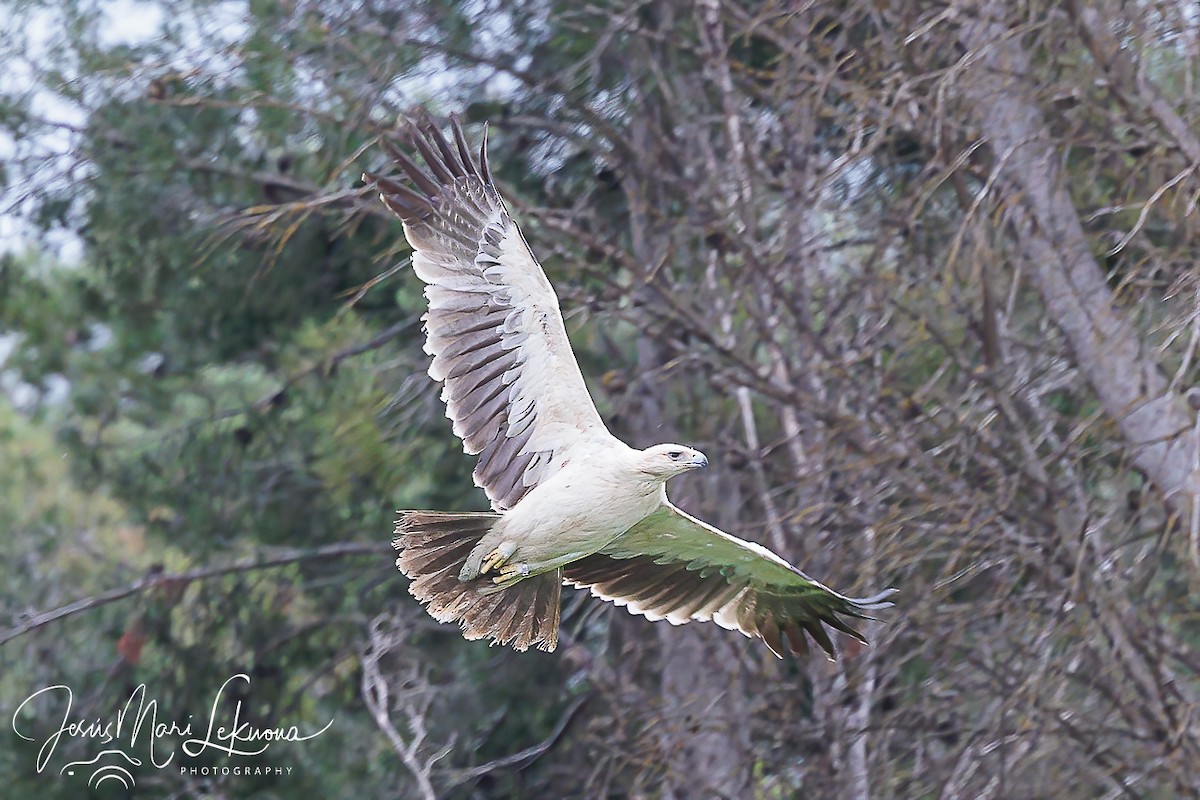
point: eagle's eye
(675, 455)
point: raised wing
(512, 386)
(672, 566)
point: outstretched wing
(673, 566)
(512, 386)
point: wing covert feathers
(511, 384)
(674, 567)
(433, 546)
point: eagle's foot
(497, 558)
(511, 573)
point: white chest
(584, 503)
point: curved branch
(44, 618)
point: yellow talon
(512, 573)
(491, 561)
(497, 558)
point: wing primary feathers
(834, 621)
(421, 138)
(817, 632)
(447, 234)
(407, 204)
(415, 174)
(797, 640)
(473, 259)
(485, 169)
(460, 141)
(770, 634)
(449, 157)
(386, 184)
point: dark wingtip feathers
(460, 141)
(817, 631)
(799, 632)
(445, 164)
(485, 169)
(855, 606)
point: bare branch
(386, 636)
(157, 579)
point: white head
(664, 461)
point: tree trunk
(1152, 418)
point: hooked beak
(699, 461)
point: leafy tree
(893, 266)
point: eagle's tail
(433, 546)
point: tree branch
(44, 618)
(522, 757)
(1152, 418)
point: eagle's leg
(515, 573)
(512, 573)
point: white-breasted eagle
(574, 505)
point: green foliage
(215, 407)
(218, 381)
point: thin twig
(524, 757)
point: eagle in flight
(573, 504)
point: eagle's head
(664, 461)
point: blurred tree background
(920, 279)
